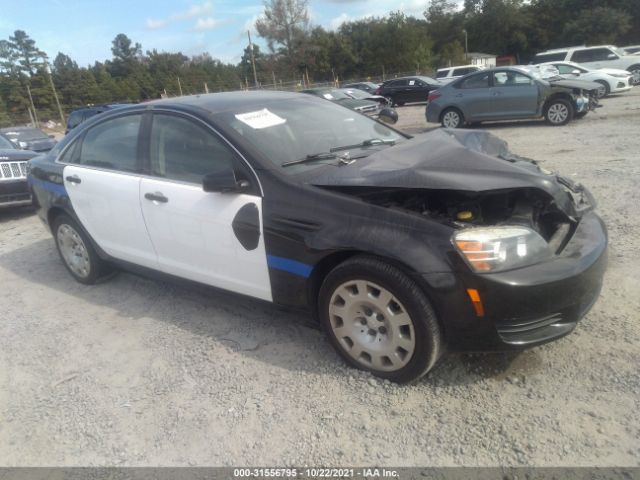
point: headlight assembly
(492, 249)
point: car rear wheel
(77, 252)
(452, 118)
(604, 89)
(379, 320)
(558, 112)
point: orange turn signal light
(474, 296)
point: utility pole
(253, 60)
(179, 86)
(273, 74)
(33, 107)
(55, 94)
(206, 88)
(466, 46)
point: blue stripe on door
(49, 186)
(288, 265)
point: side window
(476, 81)
(185, 151)
(510, 79)
(442, 74)
(74, 119)
(398, 83)
(565, 69)
(112, 144)
(581, 56)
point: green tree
(28, 56)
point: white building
(481, 59)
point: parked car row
(602, 56)
(14, 191)
(374, 106)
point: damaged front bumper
(526, 306)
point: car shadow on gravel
(284, 338)
(16, 213)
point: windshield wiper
(311, 158)
(344, 159)
(366, 143)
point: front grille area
(13, 170)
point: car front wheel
(558, 112)
(452, 118)
(77, 252)
(379, 320)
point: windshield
(26, 134)
(287, 131)
(4, 143)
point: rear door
(472, 95)
(102, 179)
(513, 95)
(594, 57)
(213, 238)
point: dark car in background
(368, 87)
(80, 115)
(510, 93)
(372, 106)
(14, 191)
(402, 247)
(408, 89)
(29, 138)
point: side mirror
(576, 72)
(223, 181)
(388, 115)
(612, 56)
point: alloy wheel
(558, 113)
(451, 119)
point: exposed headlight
(620, 75)
(491, 249)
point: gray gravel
(137, 371)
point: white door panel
(193, 235)
(108, 205)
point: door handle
(73, 179)
(156, 197)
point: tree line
(298, 52)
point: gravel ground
(143, 372)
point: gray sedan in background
(510, 93)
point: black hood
(14, 155)
(460, 160)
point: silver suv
(602, 56)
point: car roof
(17, 129)
(566, 49)
(218, 102)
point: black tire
(449, 116)
(64, 226)
(635, 71)
(407, 301)
(558, 105)
(399, 104)
(580, 115)
(607, 89)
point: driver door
(212, 238)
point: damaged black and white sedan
(402, 248)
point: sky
(84, 29)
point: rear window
(475, 81)
(459, 72)
(549, 57)
(442, 73)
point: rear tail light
(433, 95)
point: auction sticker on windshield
(261, 119)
